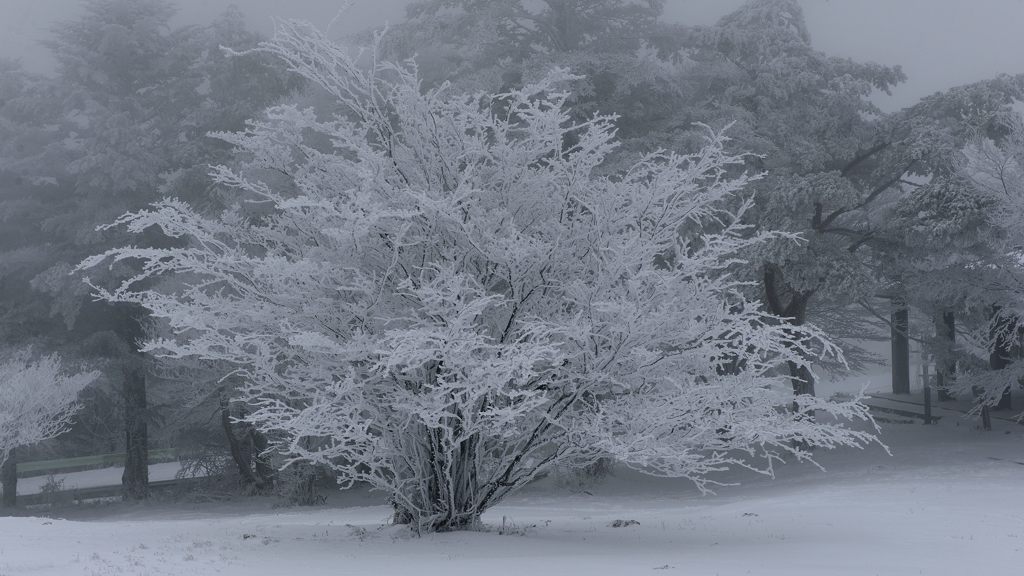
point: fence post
(927, 404)
(926, 385)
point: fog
(939, 43)
(571, 272)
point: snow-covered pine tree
(438, 295)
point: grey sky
(940, 43)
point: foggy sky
(939, 43)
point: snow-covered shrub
(438, 295)
(210, 463)
(38, 399)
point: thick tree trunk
(945, 354)
(803, 380)
(9, 477)
(266, 474)
(900, 337)
(247, 451)
(795, 313)
(135, 480)
(241, 452)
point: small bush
(300, 485)
(53, 494)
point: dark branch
(863, 157)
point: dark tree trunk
(899, 331)
(135, 480)
(803, 380)
(131, 331)
(241, 452)
(945, 354)
(795, 313)
(247, 448)
(265, 472)
(9, 477)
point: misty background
(939, 43)
(581, 241)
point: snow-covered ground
(948, 501)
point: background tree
(847, 178)
(991, 174)
(441, 299)
(625, 57)
(125, 124)
(824, 153)
(934, 243)
(26, 111)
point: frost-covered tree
(827, 156)
(944, 236)
(439, 294)
(38, 399)
(121, 123)
(875, 195)
(991, 175)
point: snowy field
(948, 501)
